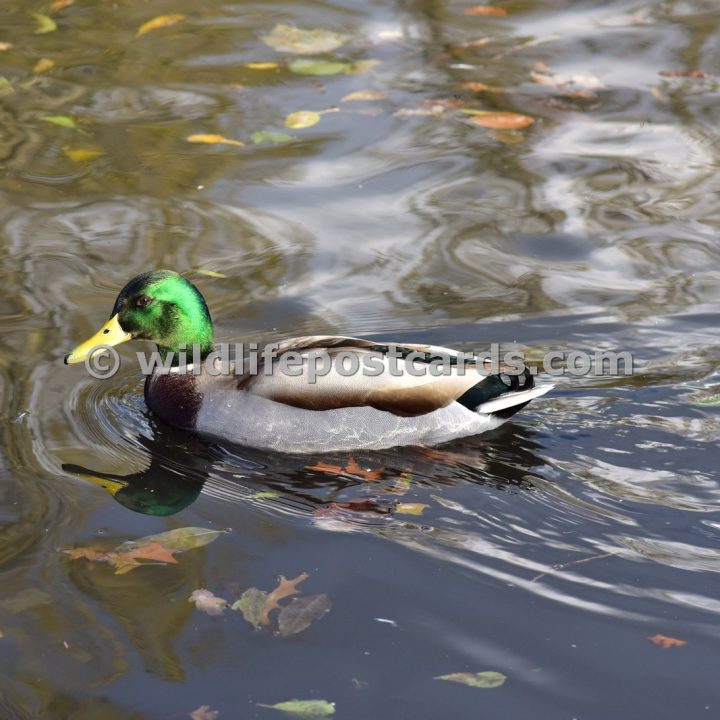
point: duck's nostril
(106, 331)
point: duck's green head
(160, 306)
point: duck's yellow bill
(109, 334)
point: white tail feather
(511, 399)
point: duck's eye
(143, 301)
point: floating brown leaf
(487, 10)
(286, 588)
(699, 74)
(502, 120)
(5, 46)
(207, 602)
(56, 5)
(210, 139)
(474, 86)
(161, 21)
(666, 642)
(351, 468)
(300, 613)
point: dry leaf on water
(486, 10)
(487, 679)
(351, 468)
(5, 46)
(286, 588)
(410, 508)
(666, 642)
(302, 119)
(209, 139)
(262, 66)
(207, 602)
(60, 4)
(162, 21)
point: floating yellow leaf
(286, 38)
(262, 66)
(411, 508)
(499, 120)
(487, 679)
(43, 65)
(62, 120)
(365, 95)
(486, 10)
(304, 708)
(79, 154)
(214, 140)
(45, 24)
(5, 46)
(161, 21)
(302, 119)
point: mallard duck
(270, 408)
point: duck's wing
(396, 378)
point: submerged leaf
(365, 95)
(487, 10)
(302, 119)
(62, 120)
(178, 540)
(666, 642)
(487, 679)
(499, 120)
(300, 613)
(286, 38)
(304, 708)
(211, 139)
(43, 65)
(267, 136)
(319, 67)
(252, 605)
(411, 508)
(44, 23)
(161, 21)
(207, 602)
(362, 66)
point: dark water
(595, 228)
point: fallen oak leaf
(324, 467)
(286, 588)
(161, 21)
(208, 602)
(352, 468)
(666, 642)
